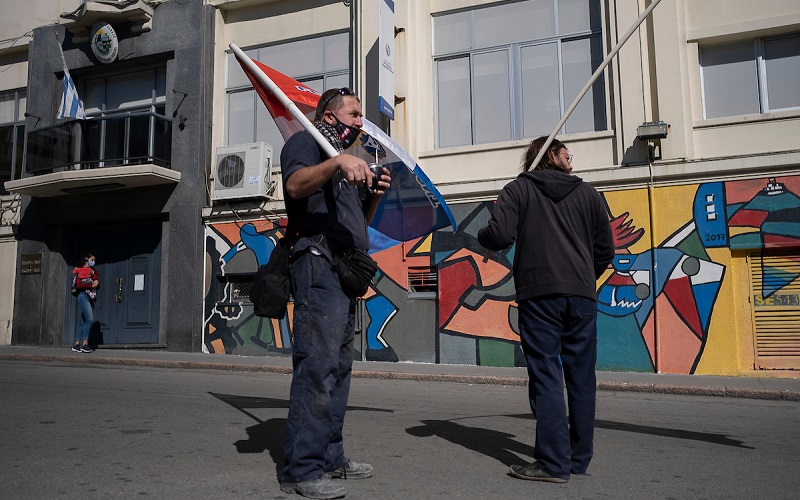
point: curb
(611, 386)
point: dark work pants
(560, 332)
(322, 358)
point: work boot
(534, 472)
(321, 487)
(351, 470)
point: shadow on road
(495, 444)
(267, 435)
(487, 441)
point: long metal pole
(593, 79)
(290, 106)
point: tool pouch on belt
(356, 270)
(271, 289)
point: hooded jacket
(561, 228)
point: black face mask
(347, 134)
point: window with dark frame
(750, 76)
(13, 105)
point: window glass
(578, 67)
(161, 85)
(541, 97)
(94, 95)
(575, 16)
(303, 57)
(8, 103)
(331, 82)
(241, 117)
(23, 105)
(782, 61)
(453, 102)
(236, 76)
(337, 53)
(492, 97)
(451, 32)
(131, 90)
(513, 22)
(730, 80)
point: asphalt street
(117, 431)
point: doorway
(126, 310)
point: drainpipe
(653, 244)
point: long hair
(546, 163)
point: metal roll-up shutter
(776, 309)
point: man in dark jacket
(328, 206)
(564, 243)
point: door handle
(118, 295)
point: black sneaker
(534, 472)
(351, 470)
(76, 348)
(321, 487)
(85, 348)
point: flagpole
(288, 104)
(594, 78)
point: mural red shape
(679, 292)
(454, 280)
(777, 241)
(751, 218)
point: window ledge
(747, 119)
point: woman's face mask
(91, 263)
(347, 134)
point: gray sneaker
(351, 470)
(534, 472)
(321, 487)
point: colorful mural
(656, 303)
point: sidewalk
(756, 387)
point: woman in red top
(86, 280)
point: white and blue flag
(71, 106)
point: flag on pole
(412, 206)
(71, 106)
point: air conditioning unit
(242, 171)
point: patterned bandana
(329, 132)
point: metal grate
(235, 288)
(422, 279)
(776, 316)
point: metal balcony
(110, 152)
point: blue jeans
(560, 333)
(87, 318)
(322, 358)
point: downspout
(651, 211)
(652, 218)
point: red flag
(302, 95)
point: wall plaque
(30, 263)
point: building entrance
(129, 266)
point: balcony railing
(108, 141)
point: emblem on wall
(104, 42)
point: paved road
(107, 431)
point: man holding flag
(328, 205)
